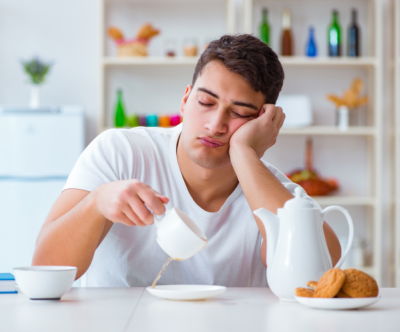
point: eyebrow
(238, 103)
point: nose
(217, 123)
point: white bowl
(45, 282)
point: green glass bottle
(334, 36)
(119, 110)
(264, 27)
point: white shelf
(329, 131)
(345, 200)
(150, 61)
(328, 61)
(286, 61)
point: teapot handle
(351, 230)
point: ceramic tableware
(296, 248)
(45, 282)
(186, 292)
(178, 235)
(337, 303)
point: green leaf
(36, 69)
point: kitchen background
(86, 74)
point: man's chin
(210, 162)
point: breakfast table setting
(306, 292)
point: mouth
(212, 143)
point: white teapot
(296, 248)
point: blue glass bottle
(311, 49)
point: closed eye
(242, 116)
(202, 104)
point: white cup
(178, 235)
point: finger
(123, 219)
(163, 199)
(131, 215)
(270, 111)
(282, 121)
(153, 202)
(137, 206)
(278, 115)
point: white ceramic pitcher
(296, 248)
(178, 235)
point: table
(238, 309)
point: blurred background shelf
(286, 61)
(150, 61)
(345, 200)
(316, 131)
(329, 131)
(328, 61)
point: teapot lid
(299, 201)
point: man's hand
(261, 133)
(124, 202)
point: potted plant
(37, 71)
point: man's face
(217, 105)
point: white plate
(337, 303)
(186, 292)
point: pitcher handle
(351, 230)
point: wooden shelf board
(329, 131)
(345, 200)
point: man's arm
(260, 186)
(71, 232)
(79, 221)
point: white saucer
(337, 303)
(186, 292)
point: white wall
(65, 32)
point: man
(209, 167)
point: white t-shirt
(130, 256)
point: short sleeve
(109, 157)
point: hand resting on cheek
(261, 133)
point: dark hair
(249, 57)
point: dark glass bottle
(119, 116)
(354, 36)
(311, 49)
(334, 36)
(286, 46)
(264, 28)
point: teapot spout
(271, 224)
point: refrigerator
(38, 149)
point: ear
(185, 98)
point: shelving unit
(395, 13)
(370, 64)
(108, 63)
(372, 133)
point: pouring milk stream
(296, 248)
(178, 236)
